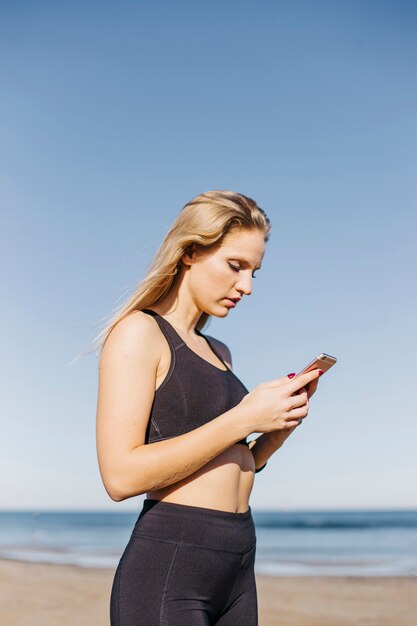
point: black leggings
(186, 565)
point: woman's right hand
(275, 405)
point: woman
(172, 422)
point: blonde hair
(203, 222)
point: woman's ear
(188, 257)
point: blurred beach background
(113, 116)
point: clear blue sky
(113, 116)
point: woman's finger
(298, 402)
(303, 379)
(311, 387)
(297, 393)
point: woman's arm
(127, 374)
(264, 446)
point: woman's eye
(236, 268)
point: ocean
(301, 543)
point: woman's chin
(221, 310)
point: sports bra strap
(212, 347)
(169, 331)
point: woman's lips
(230, 303)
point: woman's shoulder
(136, 334)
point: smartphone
(323, 362)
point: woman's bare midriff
(225, 483)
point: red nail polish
(291, 375)
(321, 372)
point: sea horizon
(354, 542)
(260, 509)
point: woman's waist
(197, 526)
(224, 483)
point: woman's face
(217, 277)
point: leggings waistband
(210, 528)
(196, 511)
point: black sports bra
(193, 392)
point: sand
(62, 595)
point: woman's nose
(244, 284)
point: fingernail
(321, 372)
(291, 375)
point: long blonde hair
(203, 222)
